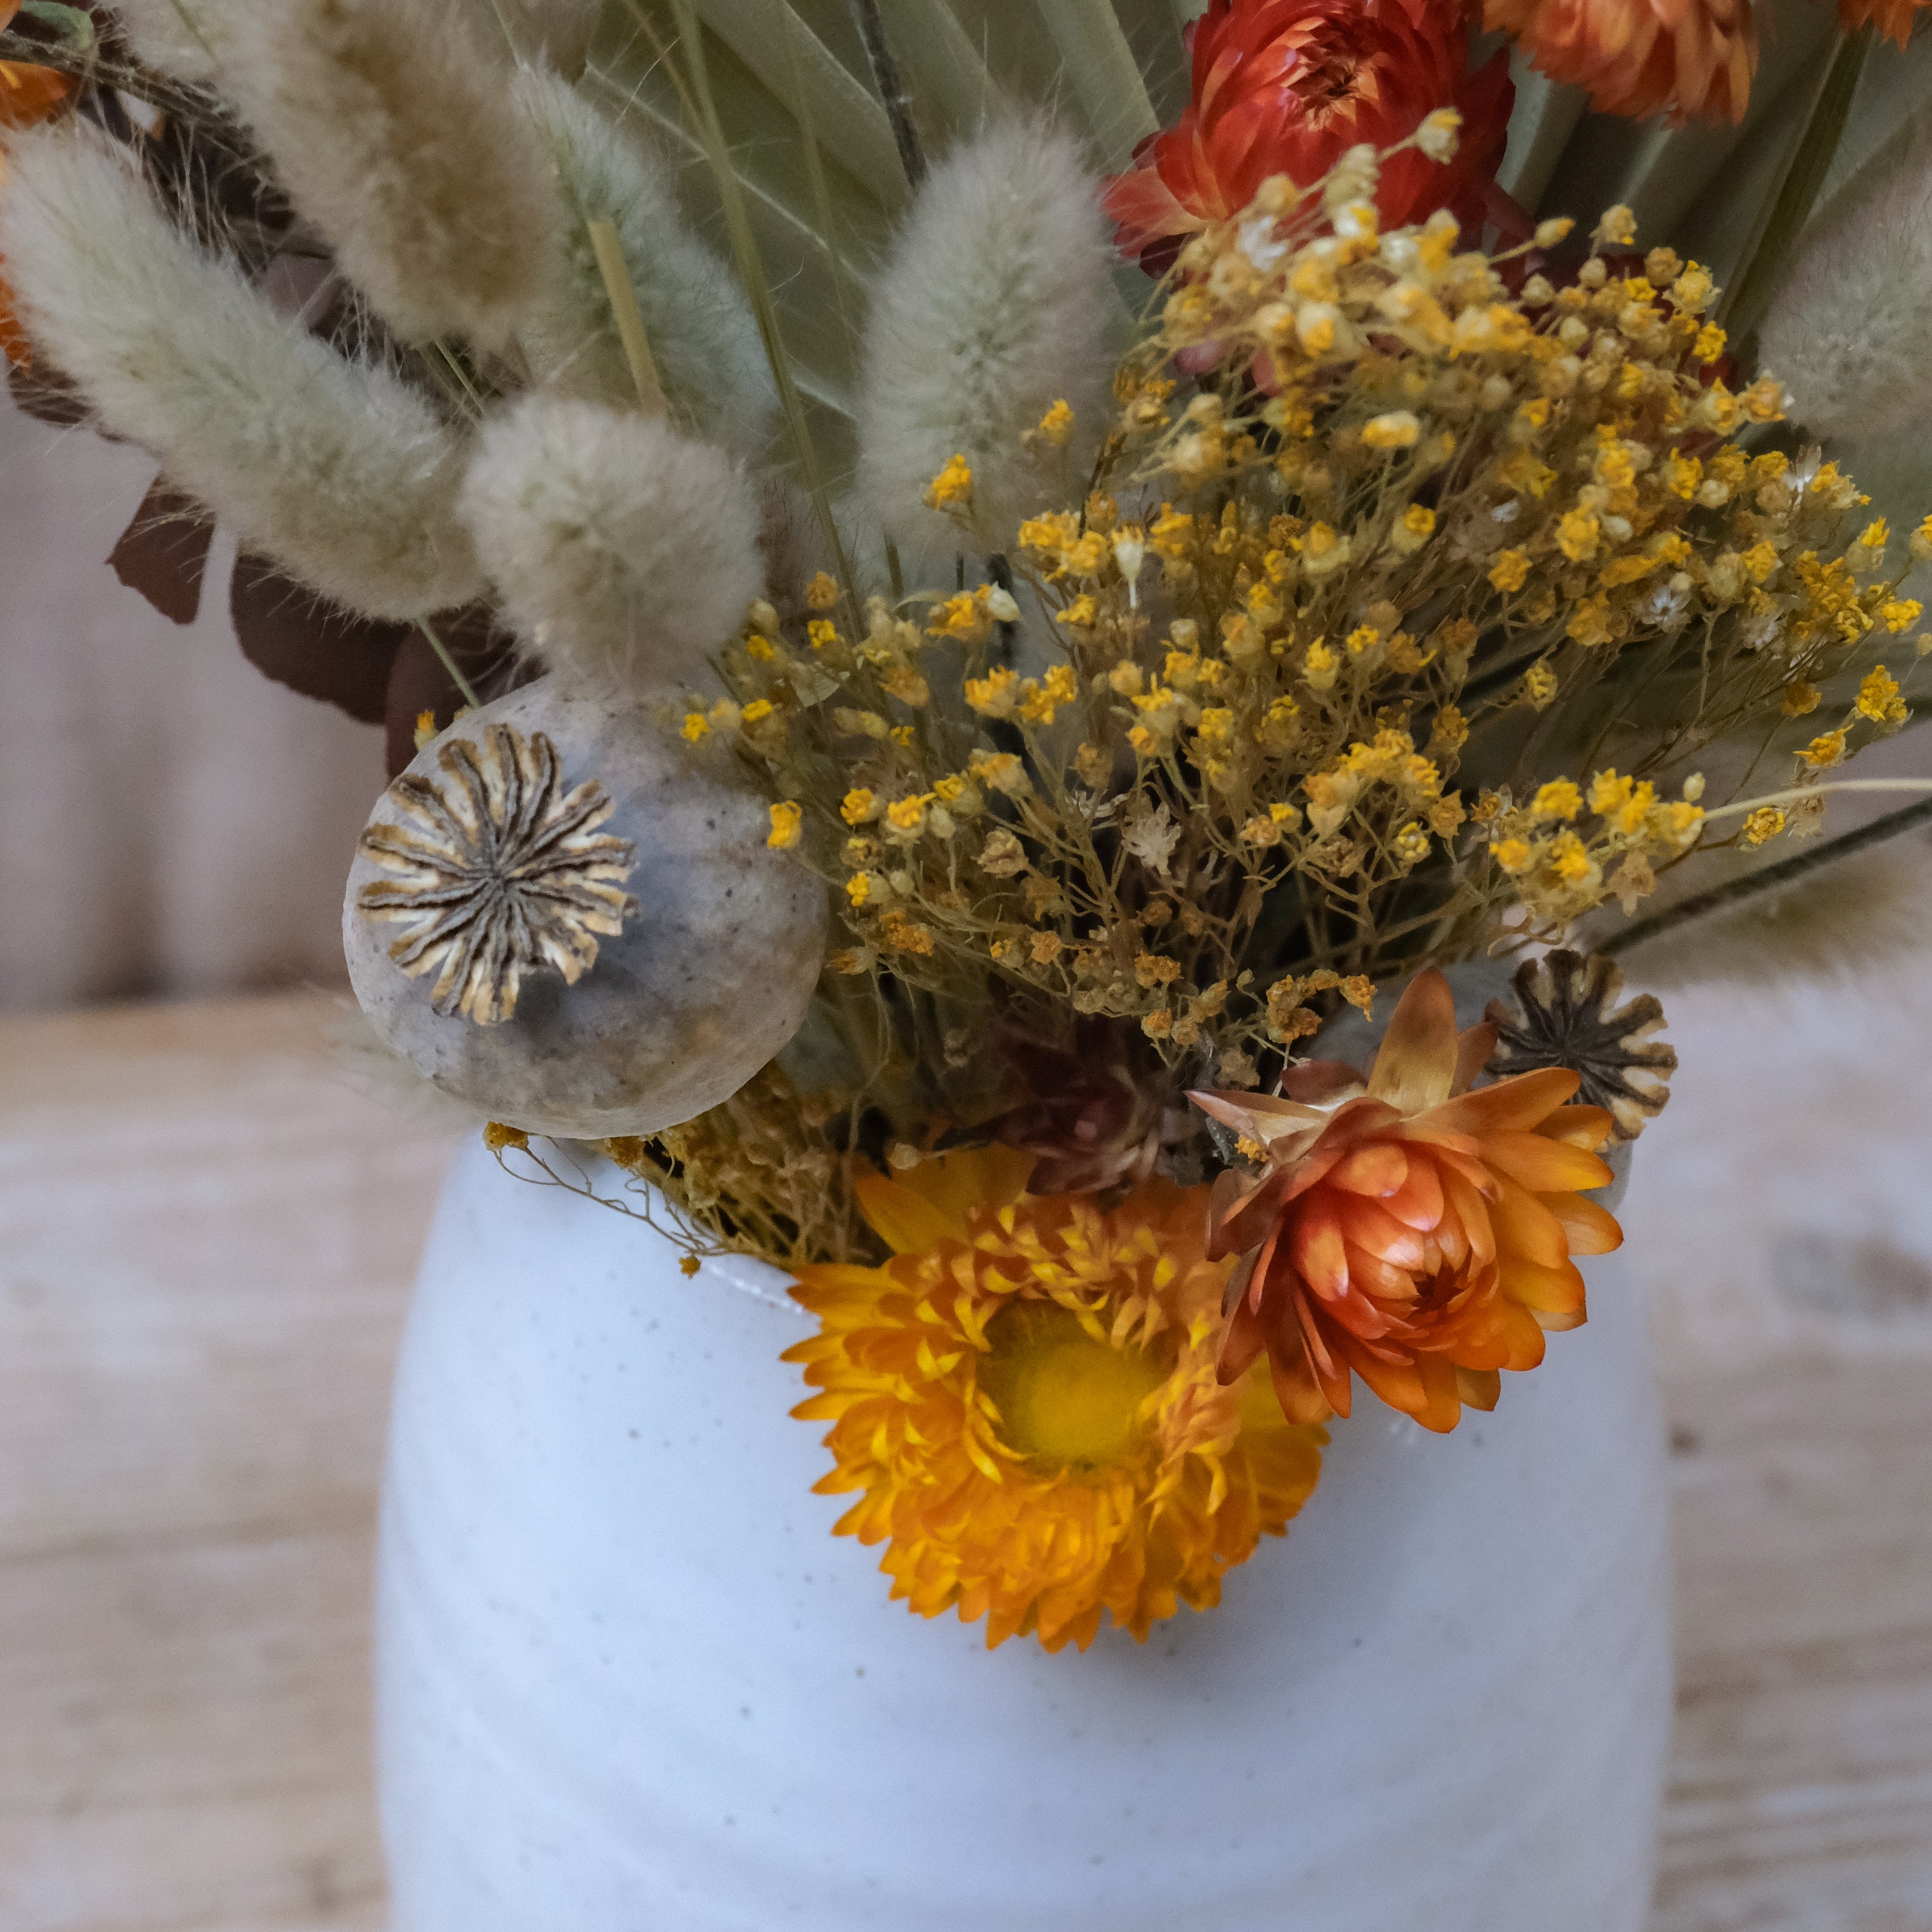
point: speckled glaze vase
(629, 1681)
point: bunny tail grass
(704, 338)
(185, 38)
(389, 123)
(626, 553)
(334, 468)
(993, 306)
(1849, 334)
(1822, 925)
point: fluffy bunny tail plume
(389, 123)
(1849, 334)
(182, 38)
(1841, 920)
(992, 307)
(626, 553)
(706, 344)
(556, 32)
(335, 468)
(187, 38)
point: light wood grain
(205, 1241)
(204, 1246)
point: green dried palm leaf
(1104, 72)
(951, 85)
(810, 85)
(810, 146)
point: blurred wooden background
(206, 1243)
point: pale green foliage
(702, 338)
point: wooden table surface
(206, 1242)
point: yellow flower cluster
(1567, 847)
(1378, 548)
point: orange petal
(1525, 1227)
(928, 1204)
(1416, 1067)
(1522, 1100)
(1398, 1383)
(1272, 1275)
(1261, 1116)
(1239, 1219)
(28, 94)
(1472, 1212)
(1589, 1229)
(1558, 1322)
(1473, 1169)
(1315, 1247)
(1547, 1290)
(1375, 1276)
(1418, 1203)
(1442, 1387)
(1521, 1331)
(1473, 1049)
(1298, 1389)
(1480, 1388)
(1585, 1127)
(1309, 1329)
(1505, 1336)
(1321, 1083)
(1543, 1165)
(1235, 1289)
(1368, 1224)
(1378, 1168)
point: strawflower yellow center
(1066, 1396)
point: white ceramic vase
(629, 1681)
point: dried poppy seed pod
(1566, 1015)
(564, 922)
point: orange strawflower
(1893, 18)
(1025, 1397)
(1414, 1233)
(27, 94)
(1287, 87)
(1683, 57)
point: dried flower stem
(1798, 794)
(1767, 878)
(629, 319)
(449, 663)
(892, 90)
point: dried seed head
(507, 862)
(1565, 1015)
(498, 870)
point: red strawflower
(1287, 87)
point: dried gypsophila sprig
(1269, 728)
(1565, 1014)
(1211, 810)
(755, 1176)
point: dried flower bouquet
(1394, 581)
